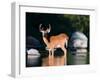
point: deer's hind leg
(65, 54)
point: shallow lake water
(77, 57)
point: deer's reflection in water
(54, 61)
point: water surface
(77, 57)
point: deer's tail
(67, 42)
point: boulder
(78, 40)
(32, 42)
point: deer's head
(44, 30)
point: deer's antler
(49, 28)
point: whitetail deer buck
(58, 41)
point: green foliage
(79, 22)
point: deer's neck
(46, 41)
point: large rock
(78, 40)
(32, 42)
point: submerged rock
(33, 58)
(33, 52)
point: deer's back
(59, 39)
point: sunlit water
(78, 57)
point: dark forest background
(66, 23)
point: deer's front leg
(52, 53)
(49, 53)
(50, 58)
